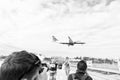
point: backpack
(82, 78)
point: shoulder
(89, 78)
(71, 74)
(70, 77)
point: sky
(29, 25)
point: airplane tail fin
(54, 38)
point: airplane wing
(63, 43)
(70, 40)
(79, 42)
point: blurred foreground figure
(22, 66)
(67, 66)
(81, 73)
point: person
(81, 73)
(53, 70)
(67, 66)
(22, 65)
(60, 66)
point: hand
(44, 74)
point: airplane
(70, 43)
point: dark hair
(19, 64)
(82, 65)
(81, 69)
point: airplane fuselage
(70, 43)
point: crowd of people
(23, 65)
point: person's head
(67, 59)
(82, 66)
(21, 66)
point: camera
(45, 65)
(53, 67)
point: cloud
(27, 26)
